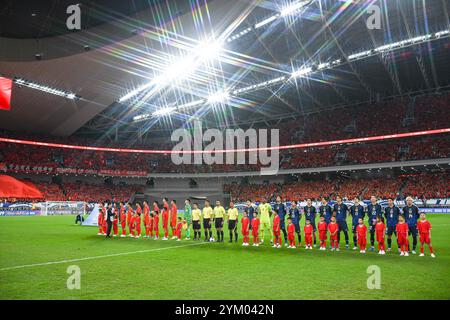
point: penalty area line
(98, 257)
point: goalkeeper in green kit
(188, 217)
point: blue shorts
(342, 226)
(412, 230)
(391, 230)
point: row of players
(401, 223)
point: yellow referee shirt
(207, 212)
(219, 212)
(196, 214)
(233, 213)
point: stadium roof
(124, 47)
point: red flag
(5, 93)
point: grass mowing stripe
(97, 257)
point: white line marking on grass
(97, 257)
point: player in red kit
(165, 218)
(291, 234)
(380, 231)
(173, 218)
(115, 221)
(276, 231)
(130, 220)
(424, 227)
(100, 219)
(179, 228)
(245, 223)
(333, 227)
(255, 230)
(104, 221)
(402, 236)
(146, 210)
(137, 220)
(156, 219)
(361, 235)
(123, 220)
(323, 228)
(308, 229)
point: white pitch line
(97, 257)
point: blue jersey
(250, 211)
(310, 213)
(391, 215)
(294, 214)
(411, 215)
(357, 212)
(280, 209)
(341, 211)
(325, 211)
(373, 211)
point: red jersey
(165, 212)
(173, 213)
(129, 214)
(361, 230)
(245, 221)
(291, 228)
(146, 209)
(122, 215)
(155, 208)
(424, 226)
(139, 211)
(322, 226)
(179, 227)
(100, 217)
(276, 223)
(308, 229)
(402, 230)
(380, 227)
(255, 225)
(156, 220)
(333, 227)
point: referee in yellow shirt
(196, 215)
(233, 222)
(219, 214)
(207, 216)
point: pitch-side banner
(5, 93)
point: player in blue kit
(250, 210)
(357, 212)
(310, 214)
(411, 214)
(391, 213)
(373, 211)
(295, 216)
(325, 210)
(280, 209)
(340, 209)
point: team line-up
(403, 223)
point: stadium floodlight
(218, 97)
(141, 117)
(292, 8)
(266, 21)
(163, 112)
(191, 104)
(208, 50)
(304, 71)
(46, 89)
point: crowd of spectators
(387, 117)
(423, 186)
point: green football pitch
(35, 253)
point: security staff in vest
(109, 219)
